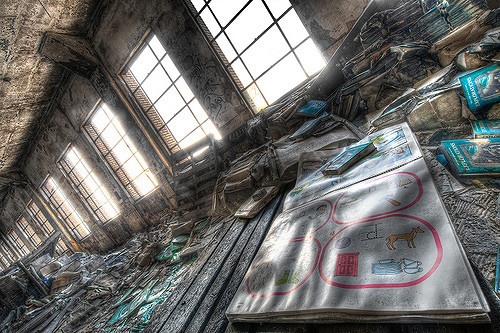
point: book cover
(347, 158)
(482, 87)
(473, 157)
(312, 109)
(308, 127)
(484, 129)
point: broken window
(28, 231)
(166, 99)
(38, 216)
(263, 44)
(18, 243)
(65, 208)
(120, 152)
(88, 185)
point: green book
(347, 158)
(485, 129)
(473, 157)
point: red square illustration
(347, 264)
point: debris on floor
(114, 292)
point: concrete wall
(328, 22)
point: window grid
(88, 185)
(138, 184)
(18, 243)
(28, 231)
(61, 248)
(163, 120)
(11, 256)
(65, 208)
(38, 216)
(3, 262)
(252, 89)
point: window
(28, 231)
(66, 210)
(89, 186)
(3, 262)
(166, 98)
(18, 243)
(61, 248)
(263, 44)
(10, 256)
(118, 150)
(38, 216)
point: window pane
(182, 124)
(63, 206)
(226, 9)
(310, 57)
(198, 4)
(278, 7)
(281, 78)
(133, 168)
(143, 64)
(226, 47)
(248, 25)
(111, 136)
(198, 111)
(169, 104)
(144, 183)
(192, 138)
(156, 83)
(210, 21)
(265, 52)
(184, 89)
(256, 97)
(170, 68)
(242, 73)
(157, 47)
(293, 28)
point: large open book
(372, 244)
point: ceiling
(28, 82)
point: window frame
(68, 225)
(23, 250)
(118, 174)
(213, 45)
(36, 219)
(24, 229)
(147, 106)
(80, 186)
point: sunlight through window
(65, 208)
(263, 42)
(120, 152)
(38, 216)
(18, 243)
(88, 185)
(28, 231)
(166, 98)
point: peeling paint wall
(328, 22)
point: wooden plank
(168, 307)
(218, 321)
(190, 289)
(204, 312)
(180, 316)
